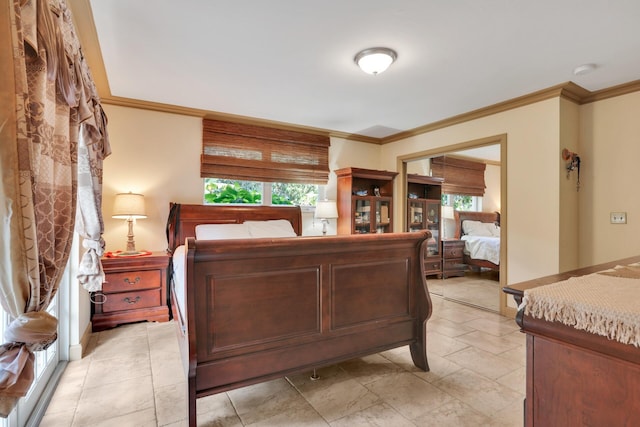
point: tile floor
(132, 376)
(477, 289)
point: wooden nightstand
(452, 258)
(135, 289)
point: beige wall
(549, 226)
(342, 153)
(610, 154)
(568, 242)
(158, 155)
(491, 198)
(532, 140)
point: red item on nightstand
(118, 254)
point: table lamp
(326, 210)
(129, 206)
(447, 212)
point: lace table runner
(606, 303)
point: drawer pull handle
(98, 298)
(135, 281)
(129, 301)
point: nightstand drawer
(453, 251)
(132, 280)
(432, 266)
(131, 300)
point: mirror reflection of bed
(479, 286)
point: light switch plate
(618, 217)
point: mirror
(470, 284)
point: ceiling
(291, 61)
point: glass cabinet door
(383, 215)
(415, 217)
(433, 225)
(362, 212)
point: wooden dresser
(575, 378)
(135, 289)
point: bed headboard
(183, 219)
(459, 216)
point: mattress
(482, 247)
(178, 282)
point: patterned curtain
(51, 175)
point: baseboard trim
(76, 351)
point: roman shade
(257, 153)
(461, 176)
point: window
(228, 191)
(243, 163)
(460, 176)
(47, 365)
(256, 153)
(461, 202)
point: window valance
(257, 153)
(460, 176)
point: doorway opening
(479, 287)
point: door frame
(500, 140)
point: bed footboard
(264, 308)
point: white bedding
(482, 247)
(178, 281)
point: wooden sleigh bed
(492, 218)
(250, 310)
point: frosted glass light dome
(375, 60)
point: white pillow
(477, 228)
(470, 227)
(271, 228)
(495, 230)
(222, 231)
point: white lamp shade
(326, 209)
(447, 212)
(375, 60)
(129, 205)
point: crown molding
(612, 92)
(567, 90)
(473, 159)
(86, 29)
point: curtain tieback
(27, 333)
(36, 329)
(96, 245)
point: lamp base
(324, 226)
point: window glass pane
(462, 202)
(225, 191)
(44, 357)
(294, 194)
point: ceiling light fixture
(375, 60)
(584, 69)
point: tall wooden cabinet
(365, 201)
(423, 213)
